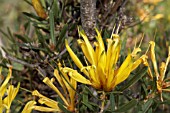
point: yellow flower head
(68, 85)
(10, 91)
(101, 71)
(162, 83)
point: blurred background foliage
(33, 44)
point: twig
(36, 65)
(21, 62)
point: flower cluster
(162, 82)
(102, 71)
(9, 92)
(68, 85)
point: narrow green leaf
(127, 106)
(150, 110)
(147, 105)
(89, 92)
(55, 9)
(41, 39)
(24, 38)
(63, 31)
(112, 102)
(5, 34)
(133, 80)
(89, 106)
(32, 47)
(62, 36)
(28, 2)
(94, 104)
(52, 29)
(84, 99)
(140, 112)
(154, 84)
(10, 35)
(31, 15)
(144, 90)
(27, 27)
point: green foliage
(34, 46)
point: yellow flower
(101, 71)
(68, 85)
(162, 83)
(143, 14)
(10, 91)
(158, 16)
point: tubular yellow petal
(39, 9)
(16, 90)
(97, 52)
(78, 77)
(167, 90)
(72, 93)
(109, 53)
(1, 105)
(4, 84)
(99, 38)
(45, 109)
(59, 79)
(89, 47)
(111, 71)
(101, 69)
(65, 71)
(57, 76)
(112, 54)
(100, 42)
(142, 59)
(45, 100)
(166, 64)
(94, 76)
(12, 92)
(68, 83)
(1, 76)
(150, 72)
(51, 85)
(115, 36)
(153, 58)
(123, 71)
(162, 68)
(145, 62)
(36, 93)
(109, 79)
(85, 50)
(29, 107)
(113, 59)
(125, 64)
(123, 75)
(159, 87)
(50, 103)
(135, 51)
(75, 58)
